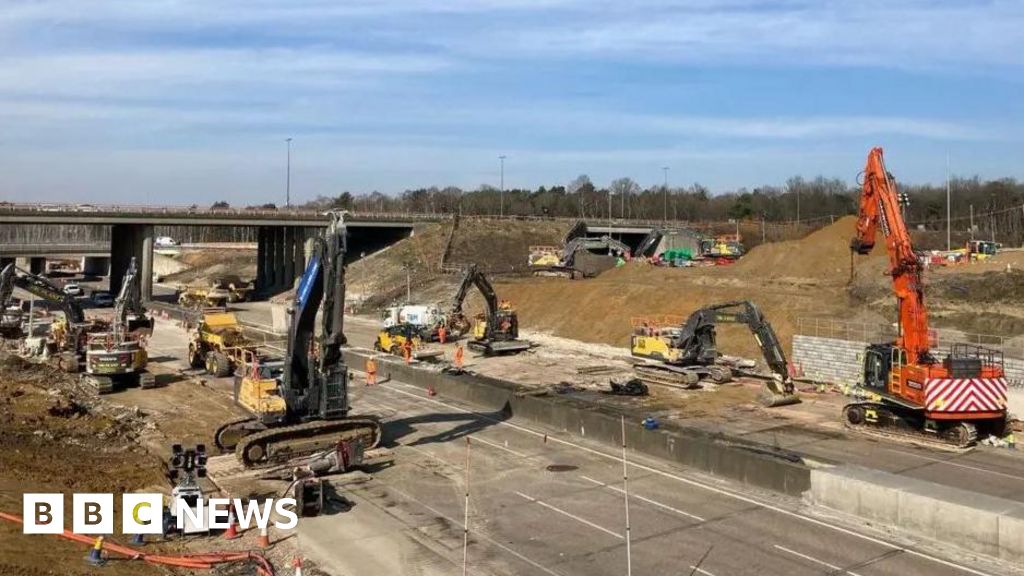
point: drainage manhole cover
(561, 468)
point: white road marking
(957, 464)
(816, 561)
(641, 498)
(571, 515)
(500, 447)
(475, 533)
(422, 397)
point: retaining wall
(977, 522)
(733, 458)
(839, 361)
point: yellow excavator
(300, 406)
(684, 353)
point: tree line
(798, 200)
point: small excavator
(497, 331)
(908, 390)
(117, 357)
(683, 354)
(301, 407)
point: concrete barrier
(734, 458)
(977, 522)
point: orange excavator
(907, 389)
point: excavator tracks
(280, 444)
(879, 420)
(687, 378)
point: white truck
(425, 317)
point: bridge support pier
(280, 257)
(129, 241)
(288, 256)
(96, 265)
(37, 265)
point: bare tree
(583, 187)
(624, 187)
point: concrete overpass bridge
(282, 235)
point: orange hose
(199, 561)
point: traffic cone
(232, 527)
(264, 539)
(232, 532)
(95, 556)
(297, 564)
(138, 540)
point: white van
(165, 242)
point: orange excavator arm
(880, 207)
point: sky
(190, 101)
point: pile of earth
(202, 265)
(380, 279)
(823, 255)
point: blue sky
(191, 100)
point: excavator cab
(877, 367)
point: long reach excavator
(908, 390)
(302, 407)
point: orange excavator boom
(880, 207)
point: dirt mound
(789, 280)
(205, 264)
(824, 254)
(380, 279)
(503, 248)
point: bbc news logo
(93, 514)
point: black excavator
(685, 354)
(68, 334)
(301, 407)
(117, 357)
(497, 331)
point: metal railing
(940, 338)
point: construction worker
(442, 334)
(407, 350)
(371, 371)
(458, 356)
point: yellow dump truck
(219, 345)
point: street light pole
(288, 178)
(502, 193)
(949, 243)
(665, 214)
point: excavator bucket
(776, 393)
